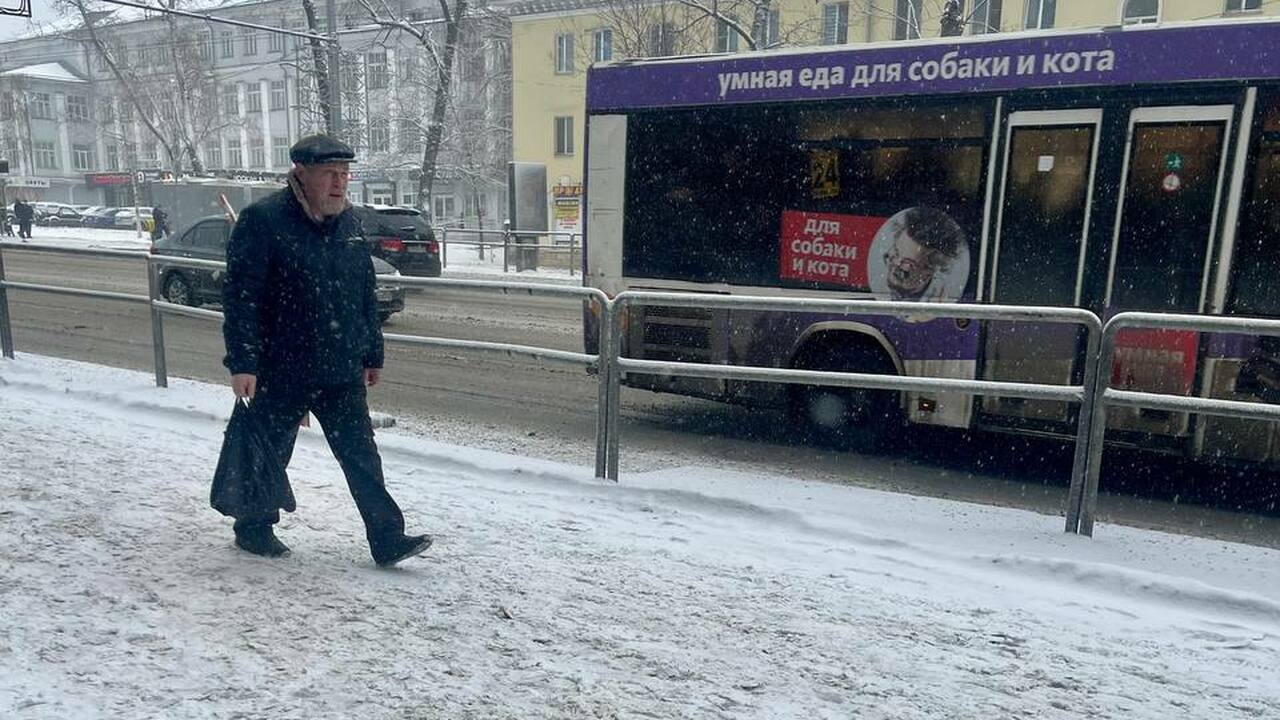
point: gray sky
(12, 27)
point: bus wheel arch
(841, 417)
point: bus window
(1042, 221)
(1169, 202)
(708, 189)
(1257, 253)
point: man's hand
(244, 385)
(372, 376)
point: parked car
(207, 239)
(102, 217)
(124, 218)
(402, 237)
(57, 215)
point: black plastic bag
(249, 480)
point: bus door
(1171, 188)
(1041, 235)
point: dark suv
(402, 237)
(207, 240)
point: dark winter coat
(299, 297)
(22, 212)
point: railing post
(1084, 428)
(573, 255)
(6, 329)
(612, 417)
(444, 247)
(506, 243)
(604, 368)
(157, 324)
(1097, 431)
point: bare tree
(441, 53)
(169, 87)
(319, 64)
(644, 28)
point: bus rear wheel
(846, 418)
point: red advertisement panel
(1156, 360)
(827, 248)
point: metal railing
(1032, 391)
(1084, 485)
(1094, 393)
(509, 242)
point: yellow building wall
(539, 94)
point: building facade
(164, 93)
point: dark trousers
(24, 229)
(343, 412)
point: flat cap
(319, 149)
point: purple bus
(1132, 168)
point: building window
(253, 97)
(234, 157)
(6, 105)
(376, 70)
(1040, 14)
(46, 155)
(205, 47)
(126, 113)
(212, 154)
(1243, 5)
(408, 197)
(250, 37)
(986, 17)
(82, 157)
(726, 37)
(77, 108)
(107, 111)
(379, 135)
(150, 153)
(772, 30)
(1139, 12)
(407, 69)
(230, 100)
(275, 41)
(280, 151)
(564, 135)
(662, 39)
(113, 157)
(835, 24)
(564, 53)
(906, 19)
(228, 44)
(410, 137)
(444, 207)
(602, 45)
(278, 96)
(257, 154)
(42, 106)
(130, 156)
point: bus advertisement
(1132, 168)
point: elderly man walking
(302, 335)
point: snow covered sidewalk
(689, 593)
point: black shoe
(261, 542)
(402, 548)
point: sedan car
(207, 239)
(402, 237)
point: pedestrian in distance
(302, 335)
(24, 213)
(160, 223)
